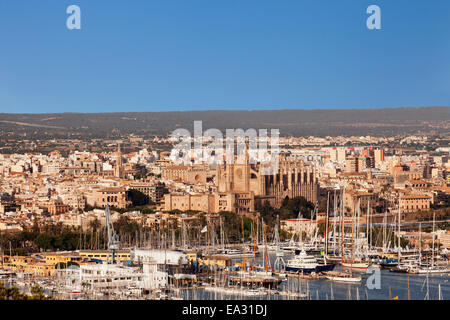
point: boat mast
(357, 227)
(326, 225)
(432, 255)
(399, 218)
(222, 233)
(420, 243)
(265, 246)
(279, 262)
(384, 231)
(351, 244)
(334, 223)
(342, 234)
(254, 247)
(368, 227)
(243, 241)
(300, 229)
(257, 231)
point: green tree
(138, 198)
(44, 241)
(291, 208)
(94, 225)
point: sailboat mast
(222, 233)
(254, 247)
(243, 242)
(369, 229)
(334, 223)
(342, 234)
(326, 224)
(432, 255)
(420, 242)
(265, 246)
(357, 226)
(351, 244)
(399, 218)
(300, 229)
(384, 231)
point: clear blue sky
(145, 55)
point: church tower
(118, 169)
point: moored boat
(356, 265)
(342, 277)
(304, 263)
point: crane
(113, 239)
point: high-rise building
(334, 154)
(341, 155)
(352, 164)
(378, 155)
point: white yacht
(305, 263)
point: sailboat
(426, 269)
(352, 264)
(342, 276)
(250, 277)
(279, 263)
(407, 264)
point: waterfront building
(122, 256)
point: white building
(161, 257)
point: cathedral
(243, 187)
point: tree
(232, 224)
(138, 198)
(44, 241)
(94, 225)
(14, 293)
(291, 208)
(125, 226)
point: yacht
(428, 269)
(236, 253)
(405, 265)
(305, 263)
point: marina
(291, 286)
(309, 269)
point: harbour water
(392, 286)
(401, 286)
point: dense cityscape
(89, 217)
(219, 159)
